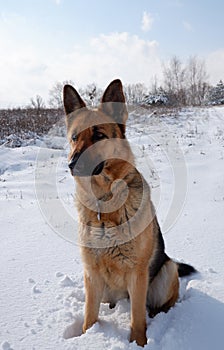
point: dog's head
(95, 136)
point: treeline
(26, 124)
(183, 84)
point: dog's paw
(139, 337)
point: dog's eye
(74, 137)
(99, 135)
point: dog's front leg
(138, 291)
(94, 286)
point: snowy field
(41, 279)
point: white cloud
(147, 21)
(111, 56)
(26, 71)
(20, 64)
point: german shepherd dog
(121, 243)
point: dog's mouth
(98, 169)
(80, 169)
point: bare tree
(135, 93)
(196, 79)
(37, 103)
(92, 94)
(174, 81)
(55, 100)
(154, 85)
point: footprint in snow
(31, 281)
(36, 290)
(59, 274)
(6, 346)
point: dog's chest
(113, 264)
(104, 227)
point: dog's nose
(76, 168)
(71, 164)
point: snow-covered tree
(216, 94)
(157, 97)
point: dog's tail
(185, 269)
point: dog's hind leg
(163, 291)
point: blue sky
(44, 41)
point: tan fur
(118, 247)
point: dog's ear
(114, 92)
(72, 100)
(113, 102)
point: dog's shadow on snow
(195, 322)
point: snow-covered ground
(41, 282)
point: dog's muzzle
(81, 165)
